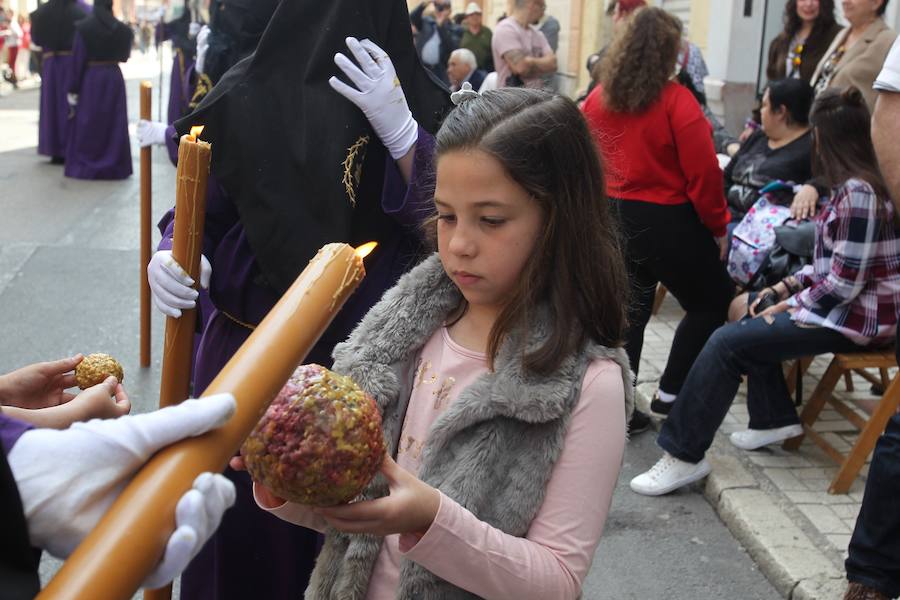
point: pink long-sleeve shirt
(553, 558)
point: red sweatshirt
(664, 155)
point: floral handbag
(754, 238)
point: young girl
(497, 367)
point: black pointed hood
(236, 28)
(53, 24)
(300, 162)
(105, 37)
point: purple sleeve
(10, 431)
(172, 144)
(79, 64)
(410, 204)
(221, 217)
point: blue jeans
(874, 554)
(749, 347)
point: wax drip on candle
(354, 271)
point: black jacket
(18, 560)
(450, 34)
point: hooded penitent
(237, 26)
(300, 162)
(53, 24)
(179, 28)
(105, 37)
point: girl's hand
(40, 385)
(762, 295)
(265, 496)
(769, 313)
(410, 508)
(106, 400)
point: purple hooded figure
(98, 146)
(53, 29)
(184, 45)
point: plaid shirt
(853, 283)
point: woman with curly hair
(665, 184)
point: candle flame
(366, 249)
(196, 130)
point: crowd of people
(522, 239)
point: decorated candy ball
(95, 368)
(320, 442)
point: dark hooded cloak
(300, 162)
(236, 28)
(105, 37)
(53, 24)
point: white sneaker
(751, 439)
(668, 474)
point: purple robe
(182, 80)
(253, 554)
(98, 145)
(54, 115)
(10, 431)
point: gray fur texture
(492, 450)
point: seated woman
(845, 301)
(779, 150)
(809, 28)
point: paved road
(68, 283)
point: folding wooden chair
(870, 429)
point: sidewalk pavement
(775, 502)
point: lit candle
(134, 532)
(187, 247)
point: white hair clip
(465, 93)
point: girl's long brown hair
(577, 273)
(640, 60)
(843, 140)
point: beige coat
(860, 64)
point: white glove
(193, 29)
(197, 516)
(202, 47)
(68, 478)
(171, 286)
(72, 99)
(378, 94)
(151, 133)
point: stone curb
(784, 553)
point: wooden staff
(187, 247)
(146, 212)
(129, 541)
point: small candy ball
(95, 368)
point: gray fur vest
(510, 421)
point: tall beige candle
(128, 542)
